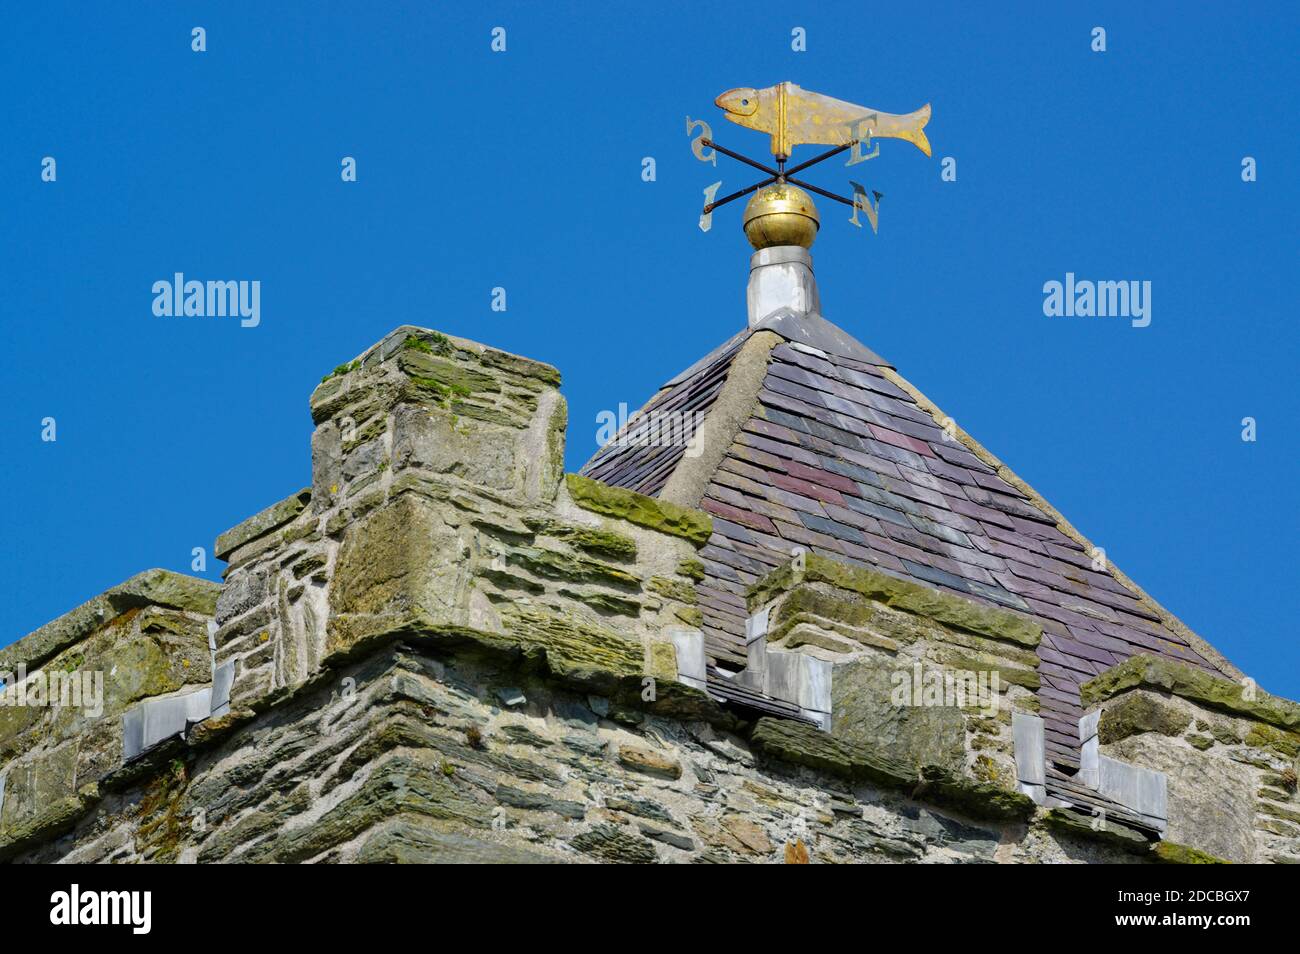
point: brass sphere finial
(781, 214)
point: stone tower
(818, 623)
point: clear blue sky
(522, 170)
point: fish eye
(744, 102)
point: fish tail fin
(922, 116)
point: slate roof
(839, 459)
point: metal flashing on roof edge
(793, 677)
(815, 331)
(1031, 755)
(692, 667)
(1142, 791)
(156, 720)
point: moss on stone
(1172, 853)
(693, 525)
(1080, 825)
(662, 661)
(555, 565)
(1277, 740)
(690, 615)
(692, 570)
(1012, 675)
(803, 744)
(525, 368)
(1278, 811)
(162, 825)
(672, 589)
(341, 370)
(445, 377)
(985, 769)
(575, 649)
(605, 602)
(53, 819)
(1196, 685)
(1137, 713)
(901, 594)
(591, 539)
(433, 343)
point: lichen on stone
(693, 525)
(914, 598)
(1195, 685)
(591, 539)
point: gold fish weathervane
(781, 212)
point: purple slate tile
(901, 440)
(868, 554)
(1014, 506)
(776, 449)
(806, 488)
(892, 452)
(984, 515)
(879, 511)
(885, 498)
(956, 454)
(873, 462)
(797, 502)
(941, 531)
(815, 474)
(819, 413)
(799, 534)
(854, 472)
(832, 528)
(995, 483)
(940, 486)
(958, 475)
(906, 488)
(732, 531)
(1012, 536)
(852, 518)
(766, 428)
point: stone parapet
(437, 508)
(69, 684)
(921, 680)
(1230, 753)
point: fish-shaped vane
(794, 116)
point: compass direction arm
(824, 156)
(738, 195)
(739, 158)
(812, 188)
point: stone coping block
(1194, 685)
(901, 594)
(693, 525)
(801, 744)
(154, 587)
(260, 524)
(443, 354)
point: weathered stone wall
(68, 684)
(458, 754)
(925, 678)
(437, 505)
(1230, 752)
(445, 649)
